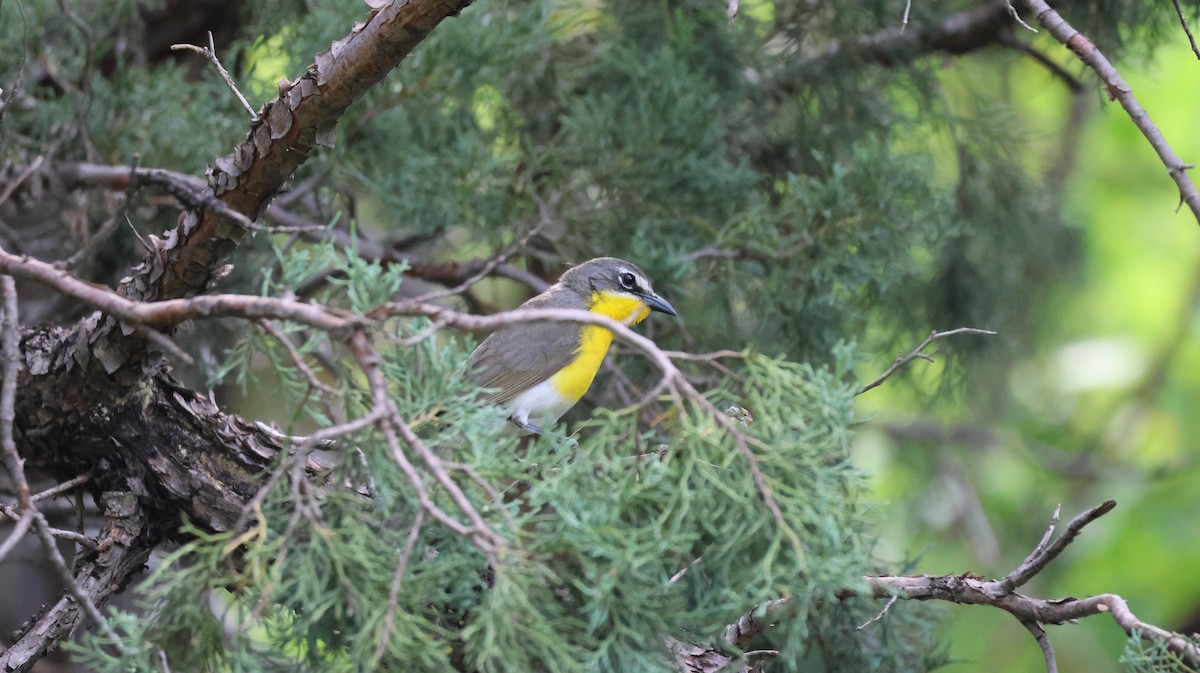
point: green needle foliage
(786, 203)
(616, 543)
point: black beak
(657, 303)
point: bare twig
(210, 53)
(68, 579)
(21, 177)
(545, 217)
(297, 358)
(111, 224)
(1057, 70)
(389, 617)
(880, 615)
(1017, 17)
(62, 488)
(15, 514)
(100, 575)
(298, 456)
(11, 350)
(958, 33)
(15, 535)
(1043, 554)
(968, 589)
(11, 355)
(918, 353)
(1183, 22)
(1120, 90)
(1043, 641)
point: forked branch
(1032, 613)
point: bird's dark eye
(628, 280)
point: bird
(538, 371)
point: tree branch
(189, 192)
(919, 353)
(960, 33)
(300, 120)
(1121, 91)
(123, 549)
(963, 589)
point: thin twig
(918, 353)
(11, 351)
(112, 223)
(1042, 554)
(1043, 641)
(1186, 29)
(210, 53)
(69, 581)
(165, 344)
(298, 456)
(967, 589)
(1073, 83)
(389, 617)
(8, 392)
(297, 358)
(1120, 90)
(545, 217)
(15, 514)
(1013, 11)
(24, 175)
(15, 535)
(62, 488)
(886, 606)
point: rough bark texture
(92, 397)
(92, 400)
(170, 447)
(289, 128)
(123, 546)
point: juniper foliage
(783, 209)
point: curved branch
(965, 589)
(1121, 91)
(959, 33)
(291, 127)
(302, 118)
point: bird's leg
(526, 426)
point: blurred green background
(1101, 402)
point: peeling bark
(93, 398)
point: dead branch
(99, 575)
(1187, 30)
(959, 33)
(188, 191)
(1118, 89)
(210, 53)
(966, 588)
(919, 353)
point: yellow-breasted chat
(540, 370)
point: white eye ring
(627, 280)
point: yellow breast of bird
(574, 380)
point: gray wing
(516, 358)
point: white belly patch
(540, 405)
